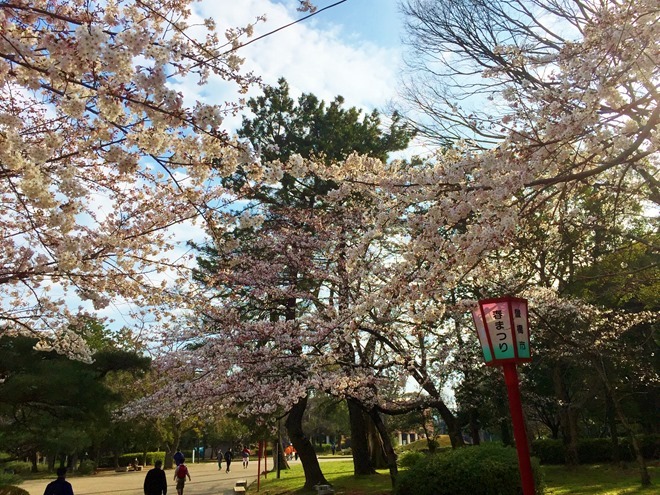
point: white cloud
(324, 61)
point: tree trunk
(567, 418)
(280, 458)
(375, 444)
(474, 427)
(359, 445)
(310, 463)
(610, 413)
(387, 444)
(171, 448)
(35, 462)
(453, 428)
(645, 477)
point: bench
(240, 486)
(324, 490)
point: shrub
(594, 450)
(87, 467)
(152, 457)
(12, 490)
(549, 451)
(9, 479)
(486, 470)
(410, 458)
(18, 467)
(440, 442)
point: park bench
(324, 490)
(240, 486)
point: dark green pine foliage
(50, 403)
(282, 127)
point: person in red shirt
(180, 474)
(245, 453)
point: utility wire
(283, 27)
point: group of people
(155, 482)
(229, 456)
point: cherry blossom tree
(99, 156)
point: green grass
(597, 479)
(338, 473)
(583, 480)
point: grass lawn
(584, 480)
(600, 479)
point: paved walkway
(206, 480)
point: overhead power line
(284, 27)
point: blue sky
(352, 49)
(375, 20)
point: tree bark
(474, 427)
(387, 444)
(359, 445)
(453, 427)
(567, 418)
(611, 422)
(280, 460)
(375, 444)
(645, 477)
(310, 463)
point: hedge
(594, 450)
(487, 469)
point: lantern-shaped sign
(503, 330)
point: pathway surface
(207, 479)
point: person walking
(180, 474)
(178, 457)
(245, 454)
(220, 454)
(155, 482)
(228, 457)
(59, 486)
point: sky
(352, 49)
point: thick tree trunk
(387, 444)
(359, 445)
(310, 463)
(453, 427)
(375, 445)
(35, 462)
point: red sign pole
(519, 433)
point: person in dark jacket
(229, 455)
(179, 457)
(155, 483)
(60, 486)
